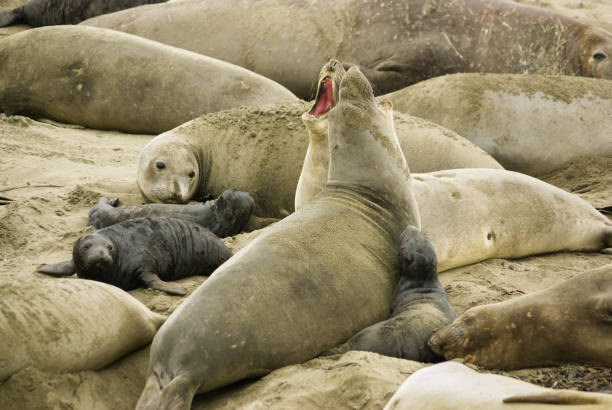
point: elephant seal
(532, 124)
(474, 214)
(67, 325)
(395, 43)
(225, 216)
(451, 385)
(112, 80)
(144, 251)
(310, 281)
(38, 13)
(531, 330)
(420, 306)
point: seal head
(94, 256)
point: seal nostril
(160, 165)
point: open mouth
(325, 98)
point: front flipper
(65, 268)
(151, 280)
(559, 397)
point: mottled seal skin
(516, 215)
(420, 306)
(66, 325)
(38, 13)
(300, 288)
(452, 385)
(115, 81)
(569, 322)
(395, 43)
(145, 251)
(225, 216)
(532, 124)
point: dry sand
(54, 173)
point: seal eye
(110, 247)
(160, 165)
(87, 246)
(191, 174)
(599, 56)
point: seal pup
(420, 306)
(65, 325)
(144, 251)
(225, 216)
(532, 124)
(515, 215)
(38, 13)
(337, 256)
(451, 385)
(395, 43)
(532, 330)
(115, 81)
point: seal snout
(355, 87)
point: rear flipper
(151, 280)
(112, 202)
(560, 397)
(65, 268)
(10, 17)
(177, 395)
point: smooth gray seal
(420, 306)
(307, 283)
(395, 43)
(144, 251)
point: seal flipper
(177, 395)
(560, 397)
(151, 280)
(10, 17)
(65, 268)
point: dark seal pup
(37, 13)
(144, 251)
(225, 216)
(420, 306)
(395, 43)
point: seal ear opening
(65, 268)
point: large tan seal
(396, 43)
(453, 386)
(69, 325)
(474, 214)
(531, 124)
(261, 151)
(310, 281)
(569, 322)
(111, 80)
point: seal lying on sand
(569, 322)
(144, 251)
(419, 307)
(225, 216)
(474, 214)
(111, 80)
(452, 385)
(50, 12)
(69, 324)
(310, 281)
(395, 43)
(531, 124)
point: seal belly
(306, 285)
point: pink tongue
(325, 101)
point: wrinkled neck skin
(365, 156)
(316, 163)
(408, 292)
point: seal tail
(177, 395)
(11, 17)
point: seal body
(531, 330)
(420, 306)
(267, 160)
(306, 284)
(51, 12)
(451, 385)
(225, 216)
(111, 80)
(66, 325)
(146, 251)
(532, 124)
(394, 43)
